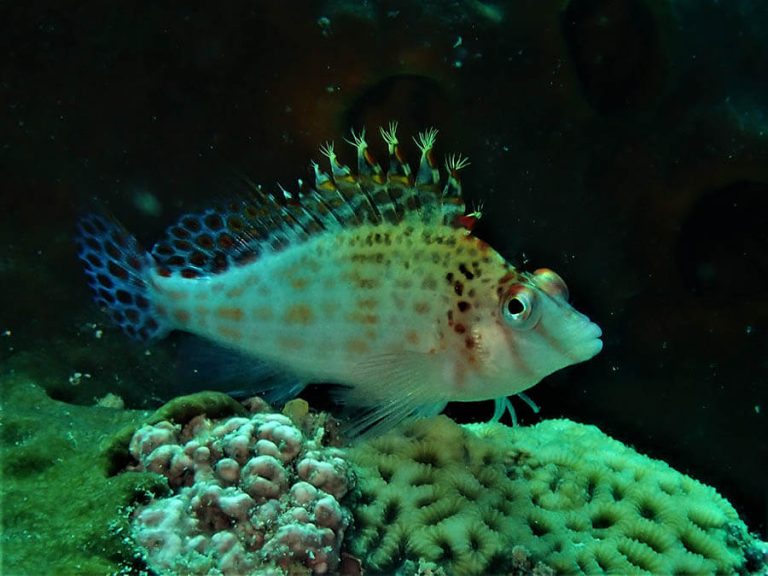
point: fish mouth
(589, 342)
(594, 344)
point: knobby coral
(248, 493)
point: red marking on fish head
(467, 221)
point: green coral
(575, 499)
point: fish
(369, 279)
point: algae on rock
(61, 509)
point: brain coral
(575, 499)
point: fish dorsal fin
(241, 230)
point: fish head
(535, 332)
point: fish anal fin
(214, 367)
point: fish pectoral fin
(390, 389)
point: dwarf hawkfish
(370, 280)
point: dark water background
(622, 143)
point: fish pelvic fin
(117, 268)
(394, 392)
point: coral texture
(576, 500)
(250, 493)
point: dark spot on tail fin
(116, 267)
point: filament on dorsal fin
(399, 172)
(428, 172)
(469, 221)
(453, 164)
(322, 180)
(239, 230)
(341, 173)
(291, 198)
(366, 163)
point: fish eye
(551, 283)
(520, 308)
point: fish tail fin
(118, 268)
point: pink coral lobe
(249, 494)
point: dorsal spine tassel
(399, 173)
(428, 172)
(366, 163)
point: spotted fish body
(370, 280)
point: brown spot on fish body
(299, 314)
(181, 315)
(236, 292)
(230, 313)
(364, 318)
(459, 328)
(484, 247)
(290, 343)
(229, 333)
(368, 283)
(421, 307)
(371, 335)
(366, 303)
(458, 287)
(357, 346)
(429, 283)
(508, 277)
(465, 271)
(299, 283)
(412, 337)
(463, 305)
(312, 264)
(176, 295)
